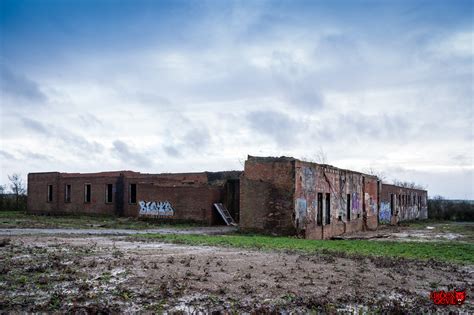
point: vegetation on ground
(21, 219)
(445, 251)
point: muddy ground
(93, 273)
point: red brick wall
(37, 192)
(404, 207)
(266, 195)
(187, 203)
(371, 201)
(191, 195)
(311, 179)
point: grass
(445, 251)
(20, 219)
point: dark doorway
(328, 208)
(319, 216)
(232, 198)
(348, 207)
(392, 205)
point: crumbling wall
(315, 183)
(403, 204)
(266, 195)
(371, 196)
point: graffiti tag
(156, 208)
(385, 212)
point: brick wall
(402, 204)
(190, 195)
(345, 213)
(267, 194)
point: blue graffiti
(384, 214)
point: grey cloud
(197, 138)
(89, 120)
(382, 126)
(276, 125)
(35, 156)
(126, 154)
(35, 125)
(67, 138)
(172, 151)
(7, 155)
(80, 144)
(19, 86)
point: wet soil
(91, 274)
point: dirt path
(76, 273)
(191, 230)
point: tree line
(15, 197)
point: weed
(441, 251)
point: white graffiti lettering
(155, 208)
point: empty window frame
(109, 193)
(328, 208)
(348, 203)
(319, 215)
(392, 205)
(87, 193)
(132, 192)
(49, 197)
(67, 193)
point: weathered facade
(287, 196)
(182, 197)
(402, 204)
(283, 196)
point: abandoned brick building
(283, 196)
(178, 197)
(292, 197)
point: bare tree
(372, 171)
(320, 157)
(407, 184)
(17, 187)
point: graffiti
(155, 208)
(384, 215)
(355, 202)
(308, 179)
(300, 209)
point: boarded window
(133, 193)
(328, 208)
(87, 193)
(50, 193)
(67, 193)
(319, 217)
(109, 193)
(348, 203)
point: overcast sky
(158, 86)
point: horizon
(186, 86)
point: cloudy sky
(168, 86)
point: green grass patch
(20, 219)
(442, 251)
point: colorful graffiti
(384, 214)
(355, 202)
(300, 210)
(155, 208)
